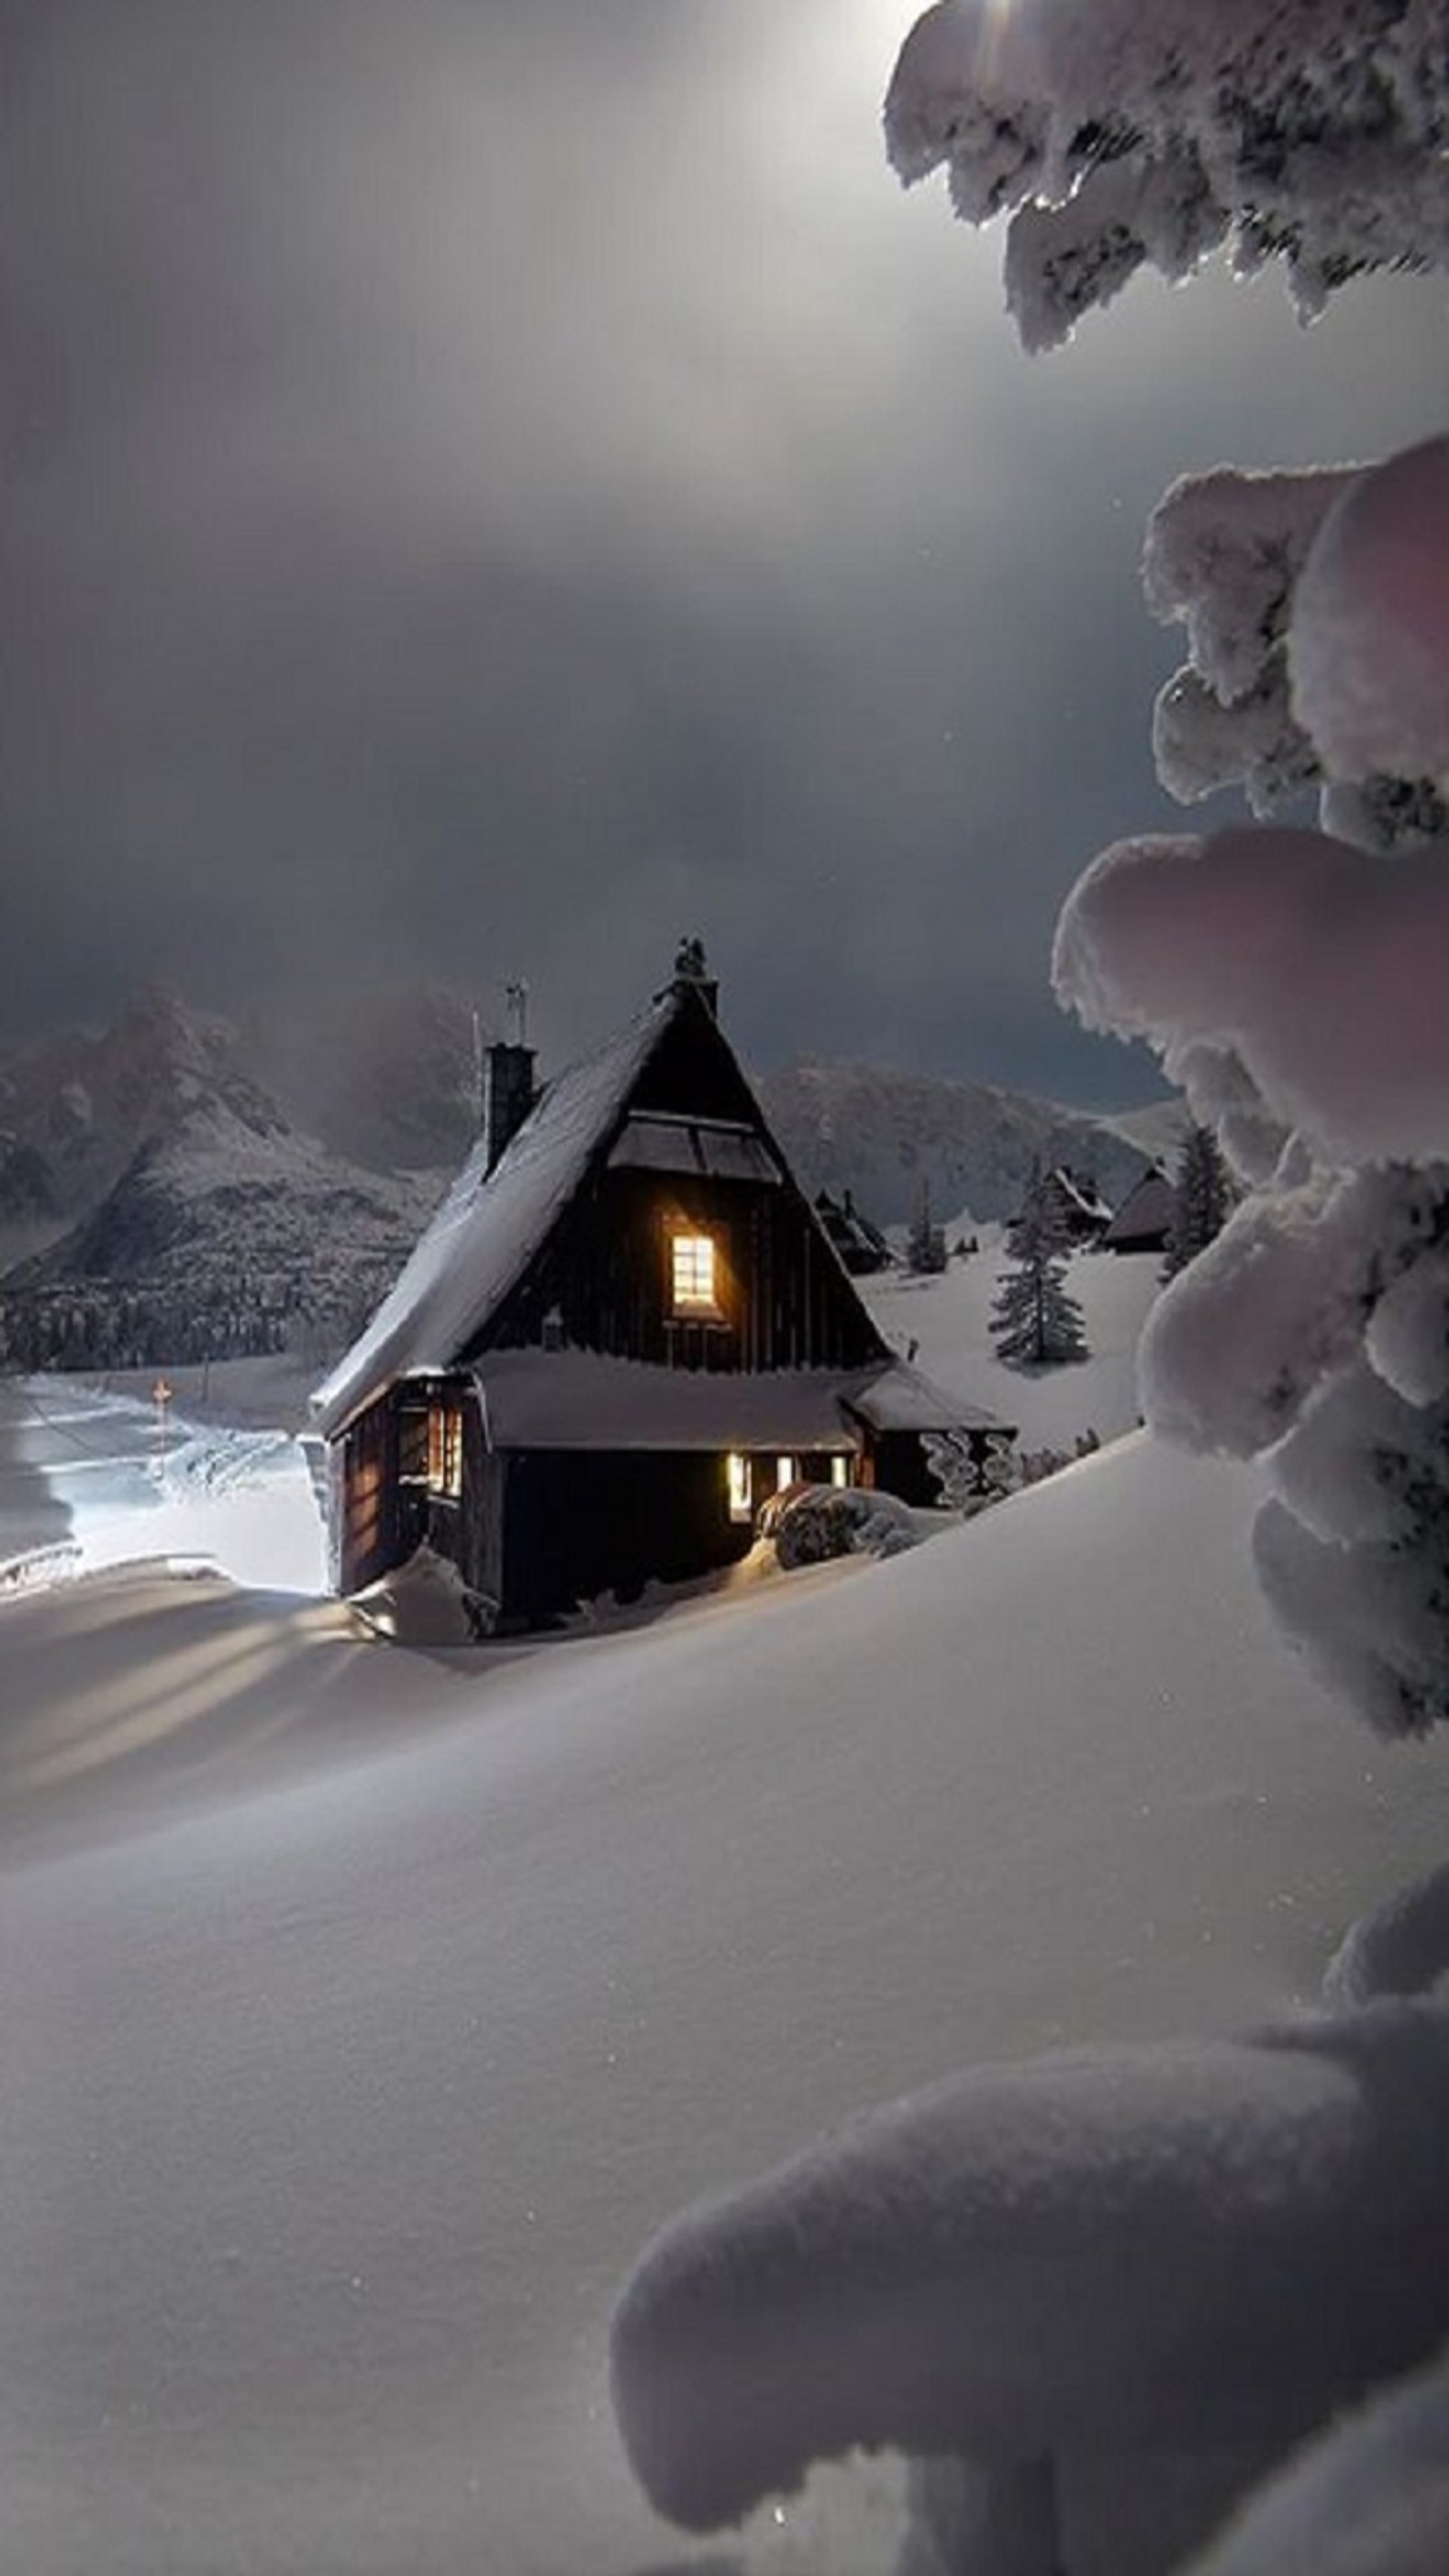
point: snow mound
(808, 1523)
(1100, 2255)
(425, 1602)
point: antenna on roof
(516, 996)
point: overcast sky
(493, 485)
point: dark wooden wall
(365, 1499)
(603, 1283)
(582, 1522)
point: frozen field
(366, 2011)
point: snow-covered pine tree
(1035, 1320)
(1315, 1329)
(926, 1242)
(1203, 1198)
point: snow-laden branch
(1223, 553)
(1368, 648)
(1320, 966)
(1134, 132)
(1095, 2257)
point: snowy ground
(94, 1476)
(367, 2011)
(949, 1320)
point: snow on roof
(491, 1224)
(1079, 1191)
(587, 1400)
(902, 1398)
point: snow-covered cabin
(1142, 1221)
(624, 1327)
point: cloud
(495, 488)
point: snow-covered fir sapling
(971, 1472)
(1036, 1322)
(926, 1241)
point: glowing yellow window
(737, 1479)
(692, 1274)
(445, 1451)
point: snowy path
(95, 1478)
(366, 2012)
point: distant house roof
(861, 1246)
(1142, 1221)
(491, 1224)
(1079, 1197)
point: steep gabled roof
(491, 1224)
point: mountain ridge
(165, 1193)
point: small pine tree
(926, 1242)
(1035, 1320)
(1203, 1198)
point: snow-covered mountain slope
(77, 1107)
(881, 1134)
(366, 2012)
(388, 1078)
(389, 1081)
(226, 1232)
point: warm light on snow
(401, 1996)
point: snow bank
(425, 1602)
(407, 1994)
(1197, 2247)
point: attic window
(445, 1451)
(693, 1276)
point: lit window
(445, 1451)
(839, 1471)
(784, 1472)
(737, 1477)
(692, 1274)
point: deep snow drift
(366, 2012)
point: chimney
(507, 1080)
(692, 975)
